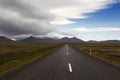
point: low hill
(111, 41)
(73, 40)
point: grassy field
(13, 55)
(109, 52)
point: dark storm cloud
(18, 17)
(11, 28)
(16, 28)
(25, 9)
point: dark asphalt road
(68, 64)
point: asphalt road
(68, 64)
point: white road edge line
(70, 67)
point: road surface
(68, 64)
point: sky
(85, 19)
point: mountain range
(5, 39)
(55, 40)
(51, 40)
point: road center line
(67, 53)
(67, 49)
(70, 67)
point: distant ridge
(72, 40)
(55, 40)
(92, 41)
(64, 40)
(5, 39)
(51, 40)
(35, 39)
(110, 41)
(106, 41)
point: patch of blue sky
(109, 17)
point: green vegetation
(13, 55)
(109, 52)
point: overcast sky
(85, 19)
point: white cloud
(102, 29)
(58, 34)
(79, 8)
(61, 21)
(65, 9)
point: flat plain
(109, 52)
(14, 55)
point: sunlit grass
(109, 52)
(13, 55)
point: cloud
(24, 9)
(77, 9)
(102, 29)
(18, 18)
(41, 17)
(61, 21)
